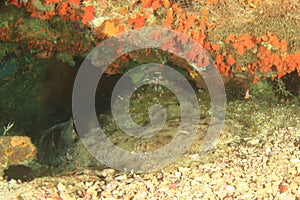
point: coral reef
(223, 27)
(42, 35)
(250, 40)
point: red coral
(190, 22)
(88, 14)
(180, 27)
(211, 2)
(169, 19)
(243, 43)
(166, 3)
(63, 8)
(49, 14)
(215, 47)
(274, 40)
(267, 59)
(219, 59)
(177, 9)
(230, 60)
(252, 67)
(224, 69)
(34, 13)
(255, 79)
(198, 35)
(15, 2)
(72, 15)
(283, 46)
(206, 45)
(156, 4)
(146, 4)
(230, 38)
(138, 21)
(293, 62)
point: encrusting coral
(15, 150)
(245, 36)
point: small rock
(13, 182)
(230, 188)
(61, 187)
(121, 178)
(177, 174)
(108, 172)
(159, 176)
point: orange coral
(63, 8)
(49, 14)
(293, 62)
(203, 23)
(263, 52)
(211, 2)
(190, 22)
(238, 67)
(243, 43)
(283, 46)
(146, 4)
(123, 11)
(230, 38)
(72, 15)
(252, 68)
(17, 3)
(215, 47)
(255, 79)
(110, 29)
(230, 60)
(274, 40)
(206, 45)
(267, 59)
(166, 3)
(224, 69)
(180, 27)
(156, 4)
(246, 40)
(88, 14)
(138, 21)
(198, 35)
(219, 59)
(169, 19)
(177, 9)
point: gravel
(261, 164)
(269, 169)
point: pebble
(61, 187)
(268, 171)
(121, 177)
(177, 174)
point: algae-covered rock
(15, 150)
